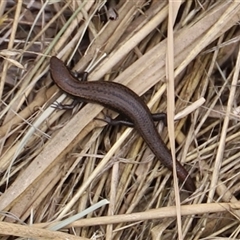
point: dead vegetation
(182, 58)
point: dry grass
(55, 164)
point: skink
(124, 101)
